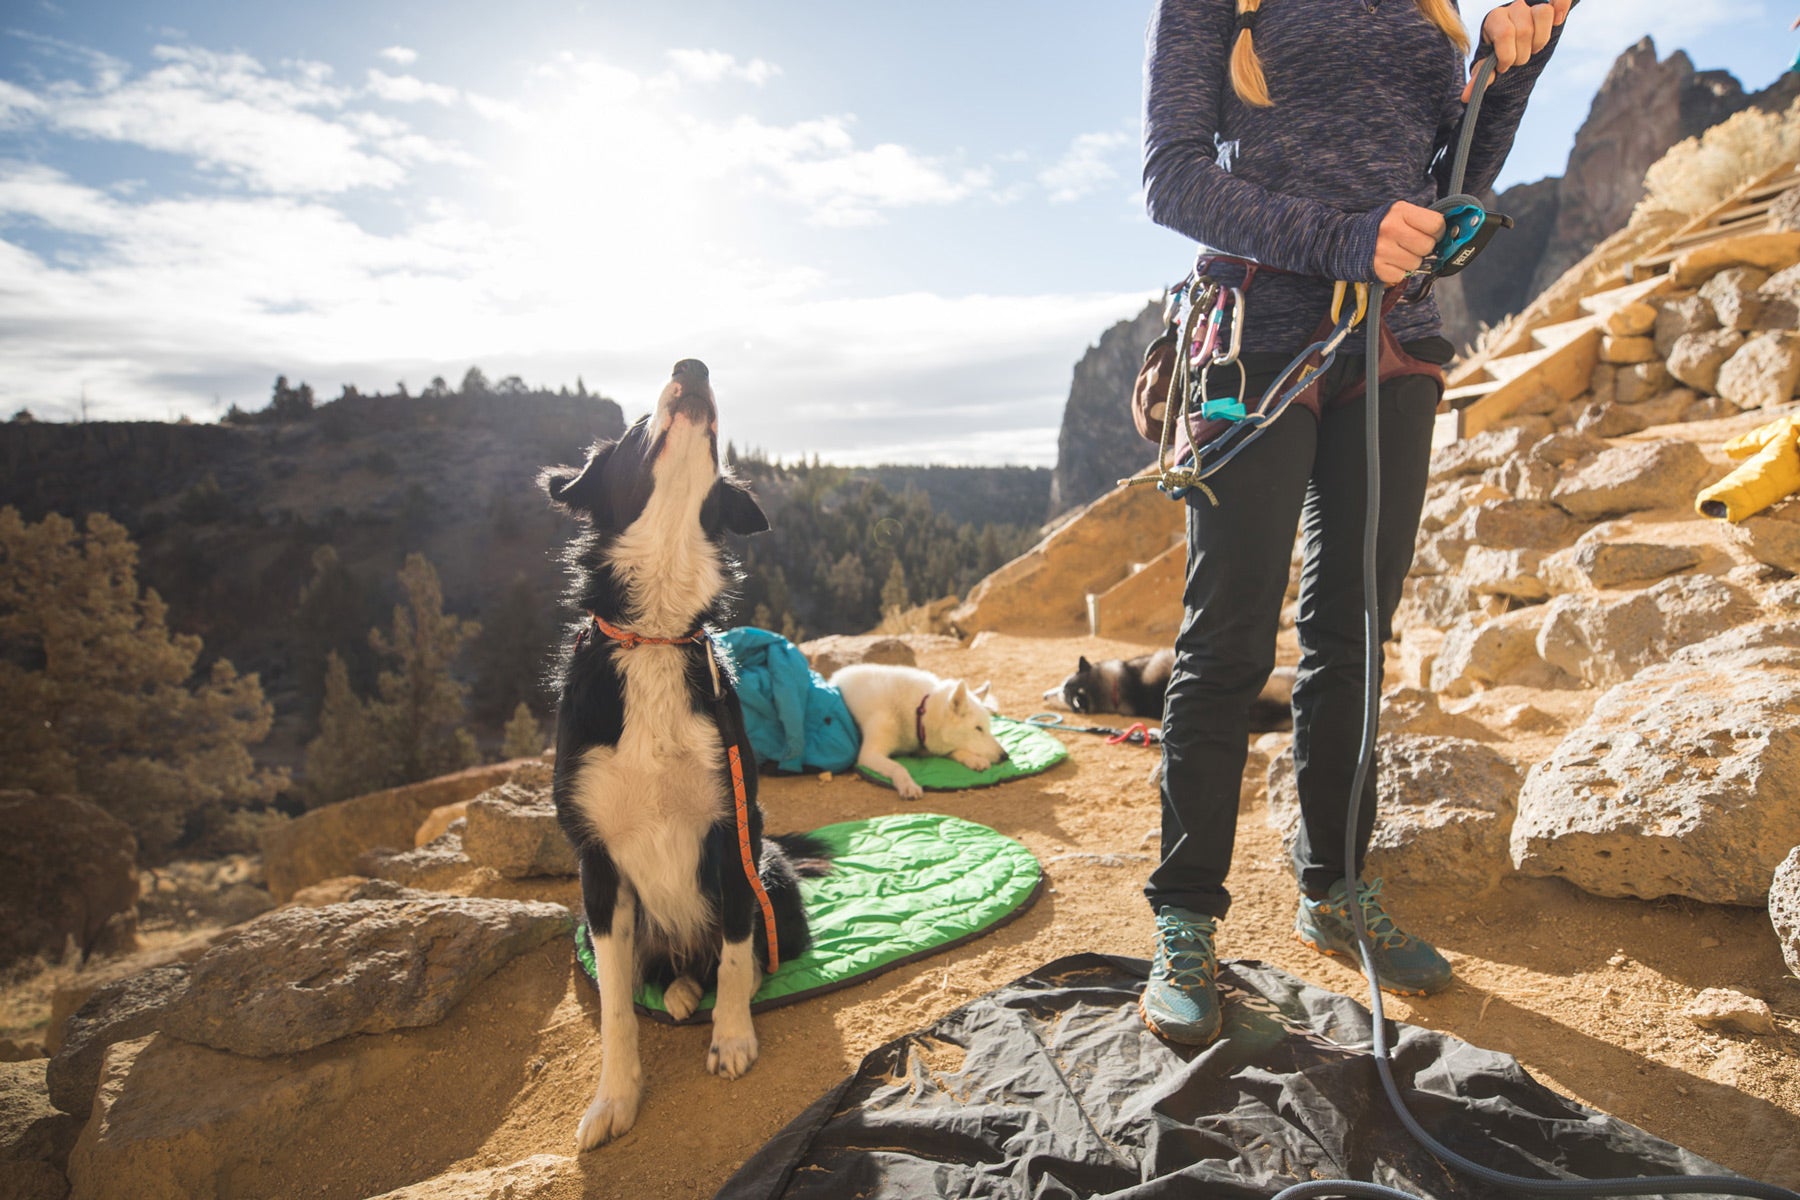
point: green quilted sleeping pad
(901, 887)
(1028, 751)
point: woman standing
(1309, 137)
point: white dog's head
(959, 723)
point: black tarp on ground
(1051, 1087)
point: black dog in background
(1135, 687)
(678, 882)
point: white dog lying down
(903, 710)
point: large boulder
(1678, 317)
(129, 1008)
(1773, 539)
(1732, 293)
(34, 1137)
(440, 865)
(1601, 565)
(514, 830)
(1683, 781)
(1695, 358)
(1632, 478)
(326, 842)
(1784, 908)
(1763, 371)
(67, 867)
(829, 655)
(1483, 653)
(1604, 638)
(301, 977)
(1446, 808)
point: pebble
(1710, 943)
(1731, 1011)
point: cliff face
(1097, 446)
(1643, 108)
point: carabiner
(1337, 301)
(1237, 327)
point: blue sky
(891, 230)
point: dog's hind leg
(612, 925)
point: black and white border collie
(646, 714)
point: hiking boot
(1181, 1000)
(1405, 965)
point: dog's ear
(731, 507)
(983, 696)
(576, 490)
(1084, 665)
(960, 699)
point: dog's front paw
(907, 786)
(610, 1115)
(682, 998)
(730, 1057)
(971, 760)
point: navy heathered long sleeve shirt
(1367, 109)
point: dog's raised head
(658, 506)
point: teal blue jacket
(794, 718)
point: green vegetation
(102, 700)
(844, 550)
(412, 728)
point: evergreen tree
(474, 382)
(331, 618)
(419, 706)
(893, 593)
(510, 654)
(345, 759)
(412, 727)
(100, 698)
(523, 737)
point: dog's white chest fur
(652, 797)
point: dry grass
(1698, 173)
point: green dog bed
(1029, 750)
(901, 887)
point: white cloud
(614, 231)
(711, 66)
(409, 89)
(400, 55)
(1085, 167)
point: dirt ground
(1588, 993)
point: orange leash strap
(743, 831)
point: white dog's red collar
(919, 720)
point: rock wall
(1098, 446)
(1644, 106)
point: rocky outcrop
(514, 831)
(1784, 908)
(1606, 638)
(1642, 109)
(1681, 781)
(1097, 445)
(1631, 478)
(1446, 808)
(35, 1138)
(327, 842)
(67, 867)
(301, 977)
(514, 1181)
(119, 1012)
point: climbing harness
(729, 719)
(1138, 734)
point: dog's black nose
(691, 367)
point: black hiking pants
(1311, 473)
